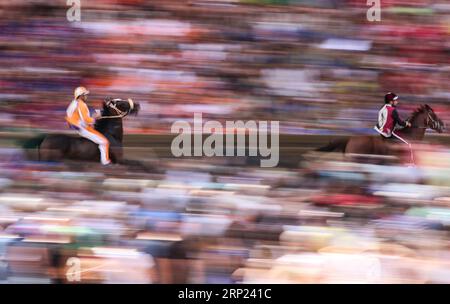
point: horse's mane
(419, 110)
(104, 107)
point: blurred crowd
(208, 221)
(317, 66)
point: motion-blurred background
(319, 67)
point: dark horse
(59, 147)
(421, 119)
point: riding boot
(104, 154)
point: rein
(110, 117)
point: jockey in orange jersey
(77, 115)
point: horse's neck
(416, 132)
(111, 128)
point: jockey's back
(77, 114)
(386, 121)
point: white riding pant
(102, 142)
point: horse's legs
(404, 151)
(367, 145)
(117, 157)
(115, 151)
(360, 145)
(48, 151)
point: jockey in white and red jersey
(389, 119)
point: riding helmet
(390, 97)
(80, 91)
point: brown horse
(421, 119)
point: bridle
(120, 113)
(434, 123)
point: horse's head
(426, 118)
(120, 107)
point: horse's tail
(32, 143)
(337, 145)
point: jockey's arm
(85, 113)
(398, 120)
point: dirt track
(150, 146)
